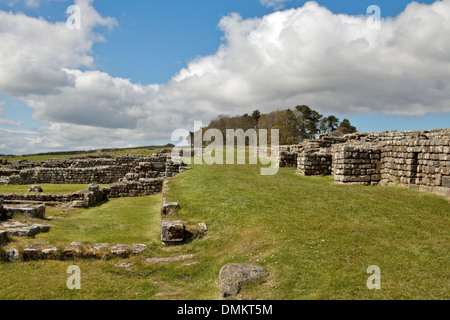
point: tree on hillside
(251, 121)
(221, 123)
(285, 122)
(312, 124)
(346, 127)
(302, 113)
(267, 121)
(329, 124)
(308, 122)
(295, 126)
(256, 115)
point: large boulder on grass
(233, 277)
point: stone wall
(314, 164)
(34, 211)
(88, 170)
(414, 159)
(357, 165)
(133, 188)
(36, 197)
(420, 164)
(82, 198)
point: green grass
(138, 151)
(48, 188)
(117, 221)
(315, 239)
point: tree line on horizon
(295, 126)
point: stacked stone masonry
(102, 170)
(413, 159)
(314, 164)
(128, 176)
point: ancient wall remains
(357, 165)
(87, 170)
(133, 188)
(314, 164)
(413, 159)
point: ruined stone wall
(83, 198)
(36, 197)
(133, 188)
(314, 164)
(9, 172)
(89, 170)
(285, 155)
(420, 164)
(414, 159)
(103, 175)
(357, 165)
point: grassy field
(315, 239)
(146, 151)
(48, 188)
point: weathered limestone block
(172, 232)
(72, 252)
(169, 208)
(32, 211)
(446, 182)
(35, 189)
(171, 259)
(33, 251)
(137, 249)
(96, 251)
(49, 253)
(233, 277)
(25, 232)
(12, 255)
(195, 232)
(120, 250)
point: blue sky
(150, 42)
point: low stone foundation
(74, 251)
(36, 211)
(86, 170)
(142, 187)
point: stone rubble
(74, 251)
(233, 277)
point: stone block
(37, 189)
(233, 277)
(446, 182)
(137, 249)
(169, 208)
(172, 231)
(119, 250)
(12, 255)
